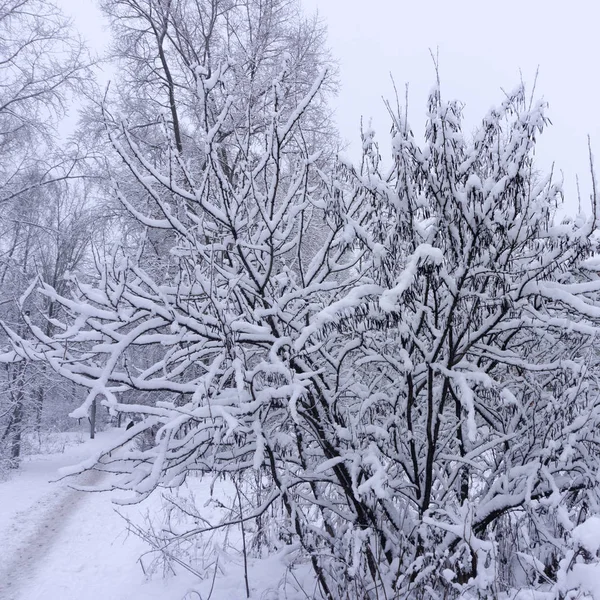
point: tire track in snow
(34, 533)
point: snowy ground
(57, 543)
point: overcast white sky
(483, 45)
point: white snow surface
(584, 578)
(587, 535)
(57, 543)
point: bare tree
(166, 52)
(42, 66)
(48, 239)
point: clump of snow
(585, 578)
(587, 536)
(424, 253)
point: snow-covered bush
(473, 393)
(412, 402)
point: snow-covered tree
(44, 238)
(180, 66)
(413, 402)
(167, 52)
(471, 410)
(42, 65)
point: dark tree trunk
(17, 427)
(93, 420)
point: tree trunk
(93, 420)
(39, 405)
(17, 427)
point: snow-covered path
(32, 535)
(57, 543)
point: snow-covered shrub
(474, 414)
(412, 403)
